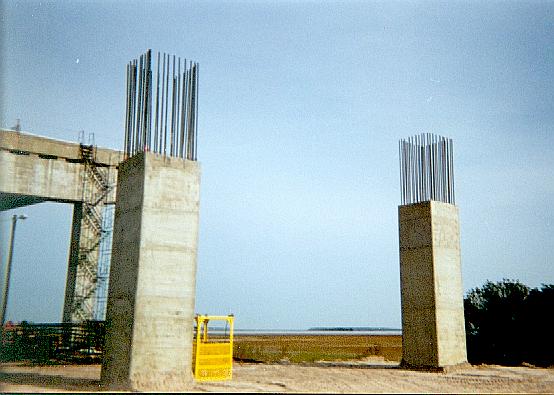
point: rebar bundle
(426, 169)
(162, 113)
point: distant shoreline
(317, 332)
(355, 329)
(314, 331)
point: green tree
(538, 319)
(508, 323)
(493, 325)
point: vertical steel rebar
(139, 103)
(127, 110)
(166, 103)
(134, 106)
(144, 134)
(178, 112)
(157, 106)
(196, 113)
(183, 111)
(426, 169)
(189, 134)
(165, 121)
(172, 111)
(149, 100)
(401, 172)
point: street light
(15, 217)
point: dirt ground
(371, 375)
(310, 348)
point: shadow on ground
(54, 381)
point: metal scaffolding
(94, 230)
(104, 259)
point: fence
(43, 343)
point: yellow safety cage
(213, 355)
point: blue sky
(301, 108)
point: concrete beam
(27, 143)
(10, 201)
(32, 177)
(37, 169)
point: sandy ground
(365, 376)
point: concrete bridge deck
(35, 169)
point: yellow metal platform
(213, 355)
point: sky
(301, 106)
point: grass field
(310, 348)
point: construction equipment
(213, 355)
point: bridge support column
(71, 278)
(149, 319)
(433, 329)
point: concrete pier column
(149, 318)
(433, 328)
(71, 278)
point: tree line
(509, 323)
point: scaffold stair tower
(96, 187)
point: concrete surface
(23, 142)
(73, 264)
(153, 275)
(37, 169)
(431, 286)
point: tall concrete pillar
(71, 278)
(433, 329)
(149, 319)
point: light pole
(15, 217)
